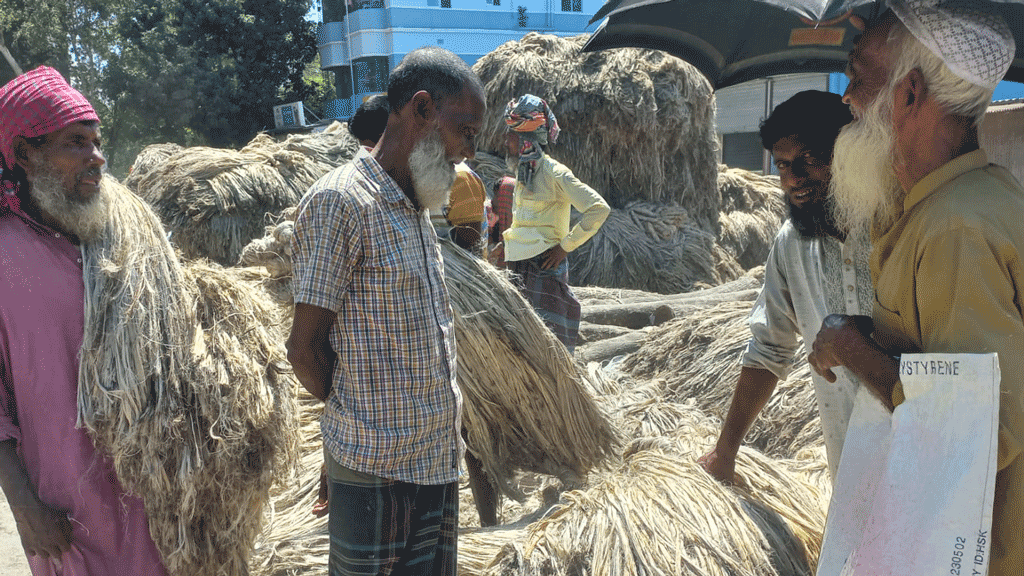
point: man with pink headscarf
(72, 513)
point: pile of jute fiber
(150, 157)
(636, 124)
(185, 388)
(658, 512)
(215, 201)
(526, 402)
(649, 247)
(698, 357)
(753, 210)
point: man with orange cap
(72, 513)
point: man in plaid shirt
(373, 334)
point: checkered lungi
(392, 527)
(549, 293)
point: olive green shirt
(949, 277)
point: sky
(1008, 91)
(1004, 91)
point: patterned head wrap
(973, 40)
(533, 120)
(36, 103)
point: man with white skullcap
(948, 241)
(72, 513)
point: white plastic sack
(914, 491)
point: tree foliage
(215, 66)
(184, 71)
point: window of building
(446, 3)
(572, 5)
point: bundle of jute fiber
(215, 201)
(150, 157)
(753, 210)
(526, 405)
(490, 168)
(699, 358)
(647, 247)
(789, 486)
(293, 541)
(184, 388)
(328, 148)
(656, 514)
(274, 250)
(792, 488)
(636, 124)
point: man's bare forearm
(309, 349)
(874, 368)
(14, 479)
(314, 371)
(753, 389)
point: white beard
(432, 173)
(864, 187)
(86, 218)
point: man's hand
(553, 257)
(321, 507)
(44, 531)
(846, 341)
(496, 255)
(839, 334)
(721, 466)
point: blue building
(360, 41)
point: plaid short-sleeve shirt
(362, 250)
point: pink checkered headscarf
(33, 104)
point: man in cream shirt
(539, 239)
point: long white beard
(864, 188)
(432, 174)
(86, 218)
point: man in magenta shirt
(72, 513)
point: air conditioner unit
(288, 115)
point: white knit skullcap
(972, 39)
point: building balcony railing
(340, 108)
(332, 44)
(327, 32)
(334, 55)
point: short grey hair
(957, 96)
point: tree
(321, 87)
(76, 37)
(184, 71)
(216, 67)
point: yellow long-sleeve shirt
(540, 214)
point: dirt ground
(12, 557)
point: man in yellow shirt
(539, 239)
(948, 243)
